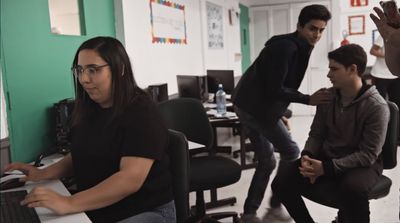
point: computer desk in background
(47, 216)
(230, 121)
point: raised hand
(392, 41)
(381, 23)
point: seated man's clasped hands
(311, 168)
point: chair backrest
(389, 149)
(179, 168)
(187, 115)
(190, 86)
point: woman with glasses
(118, 153)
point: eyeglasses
(91, 70)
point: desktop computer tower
(63, 113)
(192, 87)
(159, 92)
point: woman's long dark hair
(124, 87)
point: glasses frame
(77, 71)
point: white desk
(45, 215)
(194, 145)
(208, 105)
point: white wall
(160, 62)
(230, 56)
(3, 114)
(341, 9)
(365, 40)
(273, 2)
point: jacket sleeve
(274, 63)
(317, 134)
(372, 140)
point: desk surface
(194, 145)
(45, 215)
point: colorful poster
(168, 24)
(215, 29)
(356, 3)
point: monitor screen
(159, 92)
(224, 77)
(192, 87)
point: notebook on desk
(13, 212)
(212, 113)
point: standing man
(262, 96)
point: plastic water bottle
(220, 98)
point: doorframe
(245, 57)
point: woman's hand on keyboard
(47, 198)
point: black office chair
(206, 172)
(389, 158)
(179, 168)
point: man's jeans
(264, 140)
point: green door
(36, 68)
(244, 37)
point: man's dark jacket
(271, 82)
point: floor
(384, 210)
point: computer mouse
(11, 184)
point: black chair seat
(381, 188)
(188, 116)
(327, 194)
(205, 177)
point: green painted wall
(244, 37)
(36, 68)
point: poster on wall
(357, 3)
(168, 23)
(356, 25)
(215, 29)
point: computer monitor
(159, 92)
(192, 87)
(224, 77)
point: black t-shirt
(98, 145)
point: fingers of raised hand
(380, 13)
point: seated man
(343, 146)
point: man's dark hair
(348, 55)
(313, 12)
